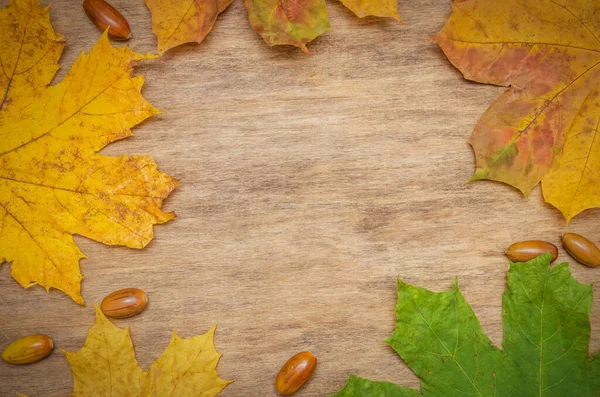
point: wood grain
(308, 183)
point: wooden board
(308, 183)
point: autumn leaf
(279, 22)
(544, 127)
(377, 8)
(288, 22)
(545, 313)
(106, 366)
(26, 29)
(178, 22)
(53, 183)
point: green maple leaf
(545, 313)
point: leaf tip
(480, 173)
(397, 17)
(525, 191)
(76, 296)
(99, 313)
(436, 38)
(104, 36)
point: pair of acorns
(579, 247)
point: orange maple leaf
(178, 22)
(53, 183)
(544, 127)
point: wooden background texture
(308, 183)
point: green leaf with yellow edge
(545, 126)
(545, 313)
(106, 366)
(53, 182)
(292, 22)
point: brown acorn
(524, 251)
(581, 249)
(28, 349)
(295, 373)
(104, 15)
(124, 303)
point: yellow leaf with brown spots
(545, 126)
(178, 22)
(106, 366)
(53, 183)
(29, 54)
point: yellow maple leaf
(106, 366)
(178, 22)
(24, 77)
(53, 183)
(545, 126)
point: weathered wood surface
(308, 183)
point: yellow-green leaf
(292, 22)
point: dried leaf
(53, 183)
(544, 127)
(279, 22)
(377, 8)
(293, 22)
(178, 22)
(545, 313)
(106, 366)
